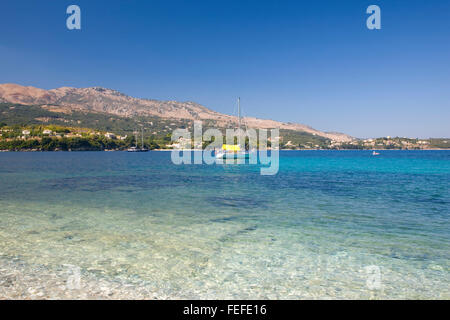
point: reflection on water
(139, 227)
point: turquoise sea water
(330, 224)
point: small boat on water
(234, 151)
(374, 153)
(135, 148)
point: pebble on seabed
(23, 282)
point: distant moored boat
(135, 148)
(231, 151)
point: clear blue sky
(312, 62)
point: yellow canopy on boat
(231, 147)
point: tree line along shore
(61, 138)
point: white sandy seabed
(20, 281)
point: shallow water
(330, 224)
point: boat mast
(239, 114)
(142, 137)
(239, 120)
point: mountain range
(107, 101)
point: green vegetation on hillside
(302, 140)
(77, 130)
(94, 143)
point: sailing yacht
(135, 148)
(232, 151)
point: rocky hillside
(109, 101)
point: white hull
(232, 155)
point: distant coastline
(166, 150)
(38, 137)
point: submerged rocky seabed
(20, 281)
(330, 225)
